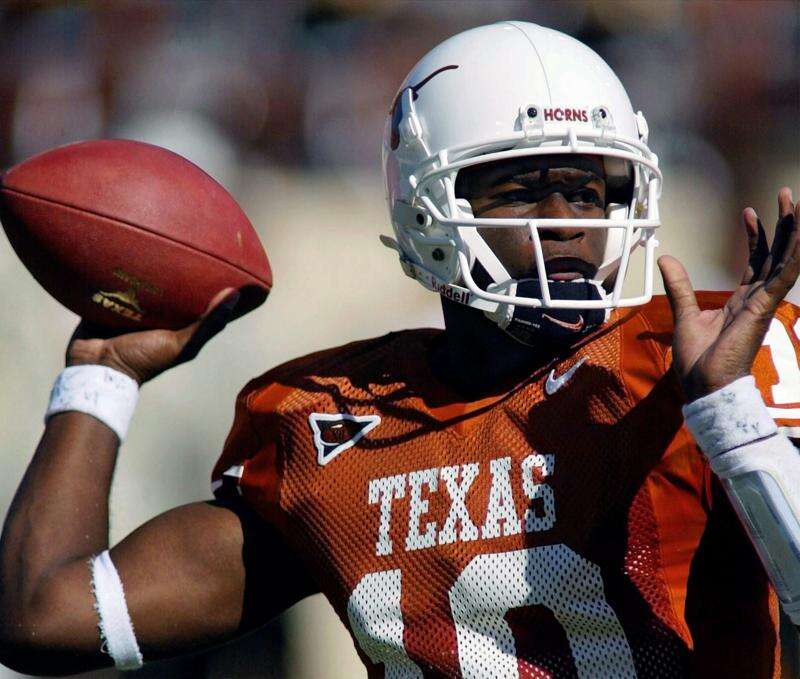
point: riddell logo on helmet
(570, 114)
(448, 292)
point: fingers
(785, 206)
(218, 314)
(766, 262)
(786, 234)
(678, 287)
(783, 262)
(784, 231)
(785, 274)
(757, 244)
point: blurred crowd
(283, 101)
(306, 83)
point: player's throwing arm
(177, 583)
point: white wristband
(729, 418)
(116, 627)
(104, 393)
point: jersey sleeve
(250, 463)
(777, 370)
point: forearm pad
(760, 471)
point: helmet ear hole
(442, 261)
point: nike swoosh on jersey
(577, 326)
(553, 383)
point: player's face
(544, 187)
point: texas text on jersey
(575, 532)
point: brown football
(131, 235)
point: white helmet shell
(502, 91)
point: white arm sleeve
(760, 471)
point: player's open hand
(145, 354)
(713, 348)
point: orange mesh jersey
(572, 533)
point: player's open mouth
(568, 269)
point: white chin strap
(505, 312)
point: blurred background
(283, 102)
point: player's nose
(555, 206)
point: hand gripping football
(130, 235)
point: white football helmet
(502, 91)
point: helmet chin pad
(535, 326)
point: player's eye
(519, 196)
(586, 197)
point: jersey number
(553, 576)
(784, 358)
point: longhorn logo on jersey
(336, 432)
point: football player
(548, 487)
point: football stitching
(25, 194)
